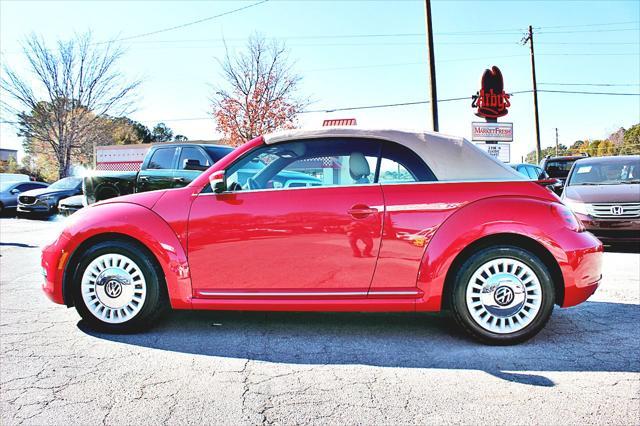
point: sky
(362, 53)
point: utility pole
(556, 141)
(529, 38)
(432, 68)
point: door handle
(143, 178)
(360, 211)
(178, 179)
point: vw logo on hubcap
(504, 295)
(113, 288)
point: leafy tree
(180, 138)
(72, 86)
(631, 141)
(161, 133)
(260, 94)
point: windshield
(606, 172)
(559, 168)
(4, 186)
(66, 183)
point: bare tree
(260, 94)
(69, 90)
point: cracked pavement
(318, 368)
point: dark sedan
(9, 192)
(45, 201)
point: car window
(399, 164)
(559, 168)
(191, 153)
(26, 186)
(531, 172)
(162, 158)
(216, 152)
(308, 163)
(609, 172)
(539, 173)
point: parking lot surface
(290, 368)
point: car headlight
(577, 207)
(47, 198)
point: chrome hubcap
(113, 288)
(504, 295)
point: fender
(479, 219)
(143, 225)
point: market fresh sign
(498, 132)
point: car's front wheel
(503, 295)
(118, 287)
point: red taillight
(568, 217)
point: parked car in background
(170, 165)
(68, 206)
(44, 201)
(401, 222)
(531, 171)
(174, 166)
(10, 190)
(604, 192)
(559, 167)
(13, 177)
(534, 172)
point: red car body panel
(300, 249)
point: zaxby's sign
(491, 100)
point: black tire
(155, 303)
(462, 314)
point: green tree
(631, 141)
(161, 133)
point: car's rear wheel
(118, 287)
(503, 295)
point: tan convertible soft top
(450, 158)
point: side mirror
(191, 164)
(217, 181)
(15, 191)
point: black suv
(559, 167)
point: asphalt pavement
(310, 368)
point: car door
(414, 208)
(320, 241)
(158, 171)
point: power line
(391, 105)
(589, 93)
(591, 84)
(588, 25)
(589, 31)
(187, 24)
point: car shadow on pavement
(595, 336)
(21, 245)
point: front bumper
(612, 230)
(54, 259)
(38, 207)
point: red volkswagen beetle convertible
(392, 221)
